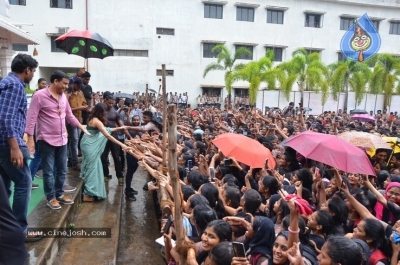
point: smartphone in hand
(238, 249)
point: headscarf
(364, 248)
(382, 213)
(264, 236)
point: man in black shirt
(113, 121)
(87, 92)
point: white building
(10, 36)
(181, 33)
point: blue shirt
(13, 108)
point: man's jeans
(35, 162)
(73, 138)
(22, 183)
(53, 156)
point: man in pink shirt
(49, 109)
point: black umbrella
(123, 95)
(358, 111)
(85, 43)
(152, 91)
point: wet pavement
(139, 227)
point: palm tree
(385, 77)
(259, 71)
(308, 70)
(226, 62)
(349, 74)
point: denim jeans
(35, 162)
(22, 183)
(132, 164)
(53, 156)
(73, 138)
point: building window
(207, 47)
(212, 11)
(246, 56)
(394, 28)
(241, 92)
(165, 31)
(212, 91)
(376, 24)
(167, 72)
(309, 51)
(245, 14)
(20, 47)
(61, 4)
(18, 2)
(313, 20)
(341, 57)
(346, 22)
(274, 16)
(131, 53)
(53, 45)
(278, 53)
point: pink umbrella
(362, 117)
(331, 150)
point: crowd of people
(298, 212)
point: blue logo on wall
(361, 41)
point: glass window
(341, 57)
(213, 11)
(274, 16)
(20, 47)
(245, 14)
(53, 45)
(167, 72)
(309, 51)
(246, 56)
(278, 53)
(346, 22)
(313, 20)
(61, 3)
(207, 47)
(376, 24)
(132, 53)
(394, 28)
(165, 31)
(18, 2)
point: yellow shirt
(75, 101)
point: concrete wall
(132, 25)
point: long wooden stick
(164, 132)
(173, 173)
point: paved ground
(139, 227)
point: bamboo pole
(173, 173)
(166, 210)
(146, 96)
(164, 132)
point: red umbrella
(244, 149)
(331, 150)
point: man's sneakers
(68, 188)
(64, 199)
(35, 186)
(54, 203)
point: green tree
(257, 72)
(349, 74)
(385, 77)
(226, 62)
(310, 73)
